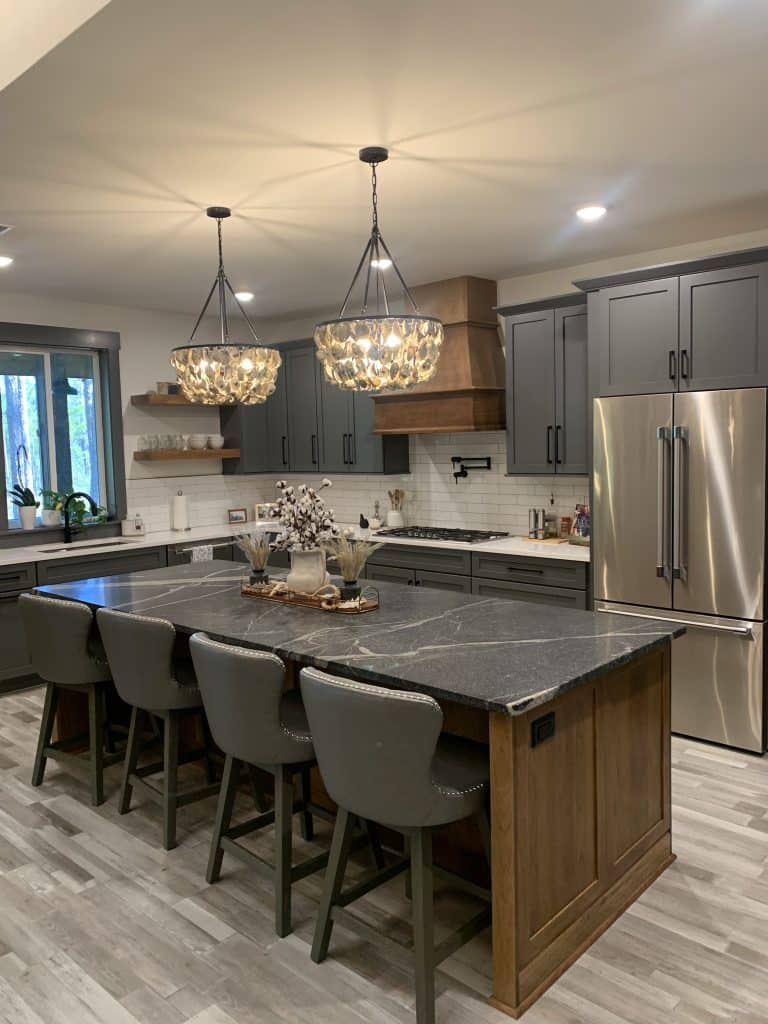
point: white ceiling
(502, 117)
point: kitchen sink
(87, 545)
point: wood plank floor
(98, 924)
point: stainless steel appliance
(442, 533)
(679, 533)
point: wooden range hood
(467, 392)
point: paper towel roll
(180, 512)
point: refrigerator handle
(711, 627)
(679, 568)
(662, 505)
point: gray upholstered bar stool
(65, 652)
(383, 756)
(255, 723)
(149, 677)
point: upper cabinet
(547, 402)
(692, 326)
(310, 426)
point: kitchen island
(574, 707)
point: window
(52, 423)
(61, 424)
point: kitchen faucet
(68, 530)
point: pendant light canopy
(378, 350)
(225, 373)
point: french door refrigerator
(679, 533)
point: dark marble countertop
(490, 653)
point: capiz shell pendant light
(378, 350)
(227, 372)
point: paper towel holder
(181, 513)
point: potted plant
(256, 549)
(26, 503)
(307, 524)
(350, 555)
(53, 502)
(80, 513)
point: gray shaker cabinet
(637, 326)
(245, 427)
(278, 448)
(724, 328)
(336, 418)
(547, 388)
(347, 441)
(304, 442)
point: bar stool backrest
(374, 747)
(241, 695)
(140, 654)
(59, 637)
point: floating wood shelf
(161, 400)
(165, 455)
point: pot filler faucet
(69, 532)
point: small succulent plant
(22, 497)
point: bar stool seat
(67, 653)
(155, 681)
(383, 757)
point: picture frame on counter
(237, 515)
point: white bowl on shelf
(197, 442)
(215, 441)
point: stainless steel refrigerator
(679, 533)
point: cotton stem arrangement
(306, 519)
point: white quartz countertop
(43, 549)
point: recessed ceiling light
(6, 261)
(381, 263)
(590, 213)
(244, 296)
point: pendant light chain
(374, 200)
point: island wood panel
(580, 822)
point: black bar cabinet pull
(314, 449)
(684, 363)
(549, 444)
(351, 449)
(672, 364)
(558, 459)
(282, 446)
(344, 449)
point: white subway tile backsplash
(485, 500)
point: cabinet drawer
(181, 553)
(444, 581)
(562, 597)
(428, 559)
(17, 577)
(63, 570)
(389, 574)
(548, 572)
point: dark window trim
(108, 344)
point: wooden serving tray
(323, 604)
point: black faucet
(68, 531)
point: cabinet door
(245, 427)
(571, 392)
(303, 448)
(14, 656)
(277, 424)
(530, 352)
(444, 581)
(638, 338)
(335, 417)
(558, 596)
(724, 329)
(367, 448)
(390, 574)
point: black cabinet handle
(549, 445)
(344, 449)
(672, 364)
(558, 460)
(314, 449)
(283, 439)
(351, 449)
(418, 582)
(684, 363)
(519, 568)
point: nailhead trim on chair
(249, 652)
(458, 792)
(376, 691)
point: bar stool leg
(129, 765)
(423, 925)
(170, 779)
(257, 790)
(96, 730)
(374, 843)
(283, 849)
(334, 879)
(223, 820)
(46, 731)
(307, 824)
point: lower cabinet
(181, 554)
(444, 581)
(14, 656)
(560, 596)
(77, 567)
(390, 574)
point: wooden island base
(581, 821)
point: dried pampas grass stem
(350, 555)
(256, 548)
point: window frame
(105, 345)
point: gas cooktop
(442, 533)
